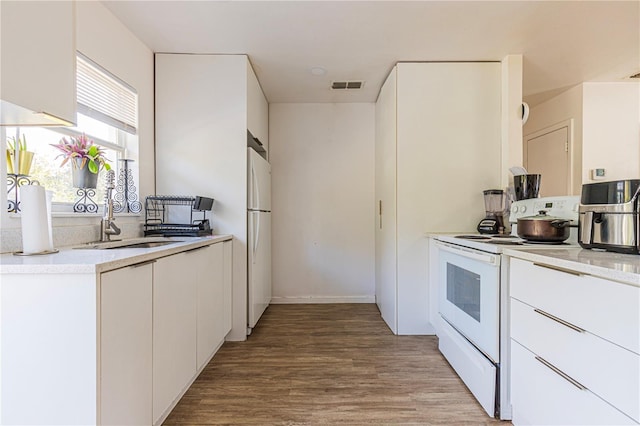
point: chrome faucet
(107, 225)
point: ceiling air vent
(347, 85)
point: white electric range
(473, 300)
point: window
(107, 114)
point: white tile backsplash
(71, 231)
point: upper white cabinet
(38, 79)
(257, 109)
(438, 146)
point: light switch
(598, 174)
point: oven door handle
(489, 258)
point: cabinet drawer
(540, 396)
(607, 370)
(604, 308)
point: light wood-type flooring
(328, 364)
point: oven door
(469, 291)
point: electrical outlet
(598, 174)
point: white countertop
(624, 268)
(70, 260)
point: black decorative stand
(126, 199)
(14, 181)
(85, 203)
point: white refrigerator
(259, 237)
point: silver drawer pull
(561, 321)
(556, 268)
(195, 249)
(560, 373)
(146, 262)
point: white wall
(104, 39)
(611, 130)
(511, 116)
(606, 126)
(565, 106)
(323, 209)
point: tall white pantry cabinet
(204, 106)
(438, 146)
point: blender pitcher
(494, 206)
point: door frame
(570, 147)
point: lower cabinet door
(541, 396)
(209, 266)
(227, 288)
(125, 346)
(174, 330)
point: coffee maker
(494, 206)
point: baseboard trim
(322, 299)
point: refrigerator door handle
(256, 187)
(256, 234)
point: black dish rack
(161, 209)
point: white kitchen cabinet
(209, 301)
(540, 396)
(126, 346)
(189, 319)
(38, 79)
(438, 146)
(119, 346)
(48, 332)
(257, 109)
(228, 287)
(174, 329)
(574, 341)
(385, 180)
(202, 118)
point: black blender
(494, 203)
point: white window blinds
(105, 97)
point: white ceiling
(563, 42)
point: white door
(385, 190)
(259, 182)
(546, 152)
(259, 290)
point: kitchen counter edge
(92, 261)
(624, 268)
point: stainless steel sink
(144, 245)
(133, 243)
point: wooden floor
(328, 364)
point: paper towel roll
(49, 195)
(35, 225)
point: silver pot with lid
(543, 228)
